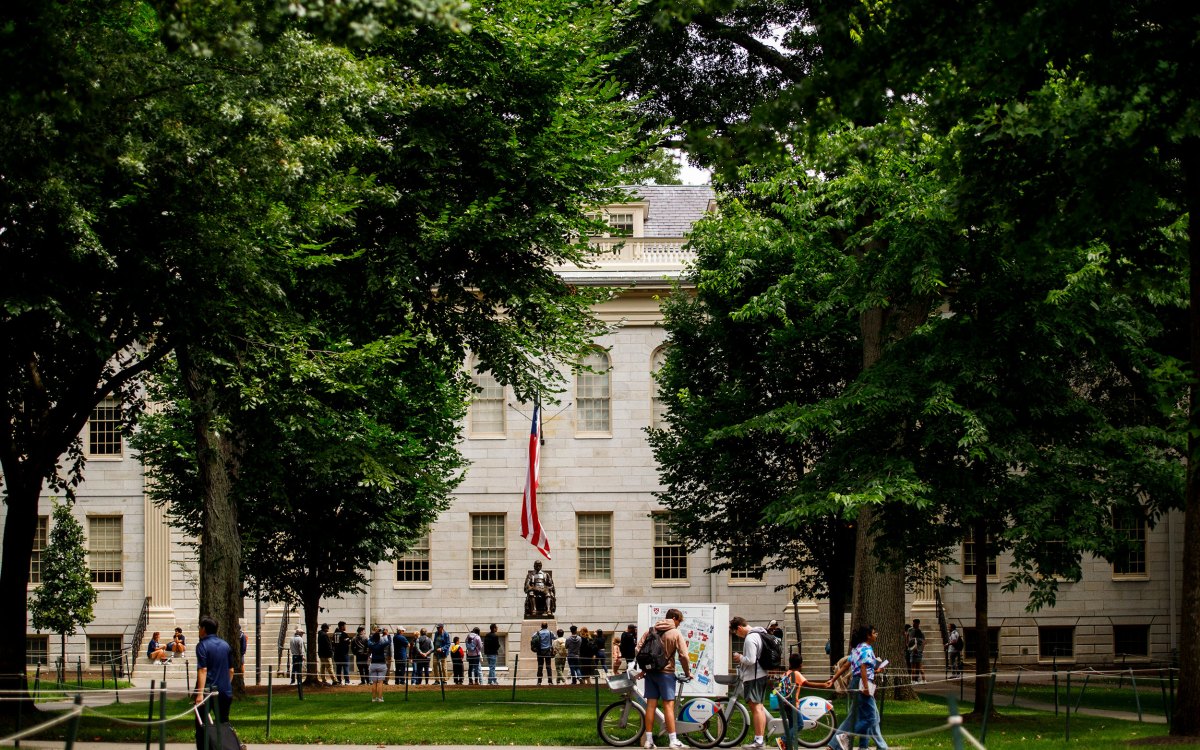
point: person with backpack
(574, 663)
(656, 655)
(954, 649)
(544, 642)
(761, 652)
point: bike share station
(708, 708)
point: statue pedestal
(527, 666)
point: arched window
(593, 395)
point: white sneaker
(754, 746)
(649, 743)
(675, 744)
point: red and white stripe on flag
(531, 527)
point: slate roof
(672, 208)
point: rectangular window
(104, 548)
(103, 649)
(413, 565)
(745, 576)
(594, 542)
(104, 429)
(37, 650)
(620, 225)
(670, 556)
(41, 538)
(1131, 640)
(971, 642)
(487, 548)
(593, 391)
(487, 408)
(968, 554)
(1056, 641)
(1131, 563)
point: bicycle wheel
(821, 731)
(711, 731)
(620, 725)
(737, 723)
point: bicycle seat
(725, 679)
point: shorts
(918, 657)
(755, 690)
(660, 685)
(378, 673)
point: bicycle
(818, 720)
(621, 724)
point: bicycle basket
(620, 682)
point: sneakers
(754, 746)
(780, 743)
(649, 743)
(675, 744)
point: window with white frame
(620, 224)
(413, 565)
(593, 395)
(968, 559)
(104, 429)
(1132, 562)
(487, 548)
(594, 545)
(37, 650)
(41, 539)
(105, 551)
(745, 576)
(487, 408)
(670, 554)
(658, 407)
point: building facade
(611, 546)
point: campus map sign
(706, 629)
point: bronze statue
(539, 592)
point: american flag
(531, 527)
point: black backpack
(770, 651)
(652, 656)
(535, 642)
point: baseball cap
(440, 625)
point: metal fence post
(1067, 706)
(515, 669)
(162, 719)
(73, 728)
(270, 695)
(149, 714)
(1136, 697)
(955, 719)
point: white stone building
(610, 546)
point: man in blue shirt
(441, 649)
(214, 669)
(400, 652)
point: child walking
(790, 685)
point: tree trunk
(837, 618)
(221, 541)
(20, 525)
(1186, 719)
(983, 643)
(311, 602)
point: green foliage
(65, 598)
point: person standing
(379, 646)
(214, 670)
(660, 684)
(362, 655)
(600, 646)
(867, 726)
(424, 650)
(587, 653)
(441, 649)
(325, 656)
(954, 649)
(574, 664)
(628, 649)
(790, 685)
(491, 649)
(341, 655)
(545, 653)
(458, 658)
(400, 647)
(917, 638)
(299, 651)
(754, 677)
(559, 650)
(474, 649)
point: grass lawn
(556, 716)
(1101, 693)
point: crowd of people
(430, 656)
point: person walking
(660, 684)
(867, 726)
(358, 647)
(847, 669)
(325, 656)
(491, 649)
(474, 649)
(341, 655)
(754, 677)
(545, 653)
(441, 649)
(214, 670)
(299, 651)
(790, 685)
